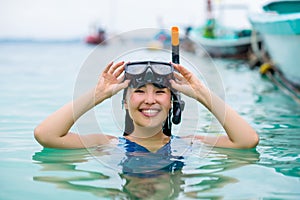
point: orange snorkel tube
(178, 104)
(175, 44)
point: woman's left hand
(187, 83)
(239, 133)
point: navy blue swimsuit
(140, 162)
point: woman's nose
(150, 98)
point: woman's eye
(139, 91)
(160, 91)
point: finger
(178, 76)
(175, 85)
(108, 67)
(119, 70)
(114, 67)
(183, 71)
(180, 79)
(121, 86)
(125, 84)
(120, 79)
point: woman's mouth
(149, 112)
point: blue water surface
(39, 77)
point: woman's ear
(124, 104)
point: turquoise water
(39, 77)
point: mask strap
(178, 106)
(168, 125)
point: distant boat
(279, 26)
(162, 39)
(231, 43)
(96, 38)
(219, 40)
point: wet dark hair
(129, 127)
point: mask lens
(162, 69)
(135, 69)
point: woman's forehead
(151, 85)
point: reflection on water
(278, 120)
(104, 172)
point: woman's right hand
(54, 130)
(110, 82)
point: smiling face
(148, 105)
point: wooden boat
(279, 26)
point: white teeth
(150, 111)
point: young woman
(148, 98)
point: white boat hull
(279, 27)
(284, 51)
(225, 47)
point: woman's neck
(145, 133)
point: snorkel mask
(141, 73)
(159, 74)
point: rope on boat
(268, 69)
(277, 77)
